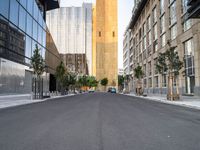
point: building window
(162, 24)
(154, 15)
(156, 82)
(155, 32)
(184, 6)
(149, 38)
(144, 29)
(113, 34)
(163, 40)
(155, 46)
(22, 19)
(189, 67)
(148, 23)
(150, 82)
(14, 11)
(172, 13)
(162, 6)
(145, 43)
(99, 33)
(164, 80)
(4, 7)
(187, 25)
(173, 32)
(149, 68)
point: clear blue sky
(124, 14)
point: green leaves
(120, 80)
(169, 62)
(138, 73)
(37, 62)
(104, 82)
(60, 72)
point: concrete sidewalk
(17, 100)
(186, 101)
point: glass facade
(21, 27)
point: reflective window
(28, 51)
(44, 38)
(40, 19)
(35, 30)
(29, 25)
(4, 7)
(33, 46)
(172, 12)
(30, 6)
(40, 35)
(23, 3)
(14, 11)
(36, 11)
(22, 19)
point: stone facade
(158, 22)
(105, 41)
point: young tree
(174, 66)
(37, 62)
(138, 73)
(169, 62)
(120, 82)
(92, 82)
(60, 76)
(161, 68)
(38, 65)
(104, 82)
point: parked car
(113, 90)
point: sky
(124, 14)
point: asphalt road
(99, 121)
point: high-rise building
(153, 24)
(71, 28)
(22, 26)
(105, 41)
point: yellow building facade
(105, 41)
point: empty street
(99, 121)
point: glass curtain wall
(21, 27)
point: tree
(91, 81)
(104, 82)
(120, 80)
(138, 74)
(169, 62)
(72, 78)
(38, 65)
(60, 76)
(161, 67)
(37, 62)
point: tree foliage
(104, 82)
(37, 62)
(138, 72)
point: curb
(166, 102)
(37, 101)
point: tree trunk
(170, 87)
(177, 88)
(161, 84)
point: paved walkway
(186, 101)
(17, 100)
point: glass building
(71, 28)
(22, 26)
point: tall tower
(105, 41)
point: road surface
(99, 121)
